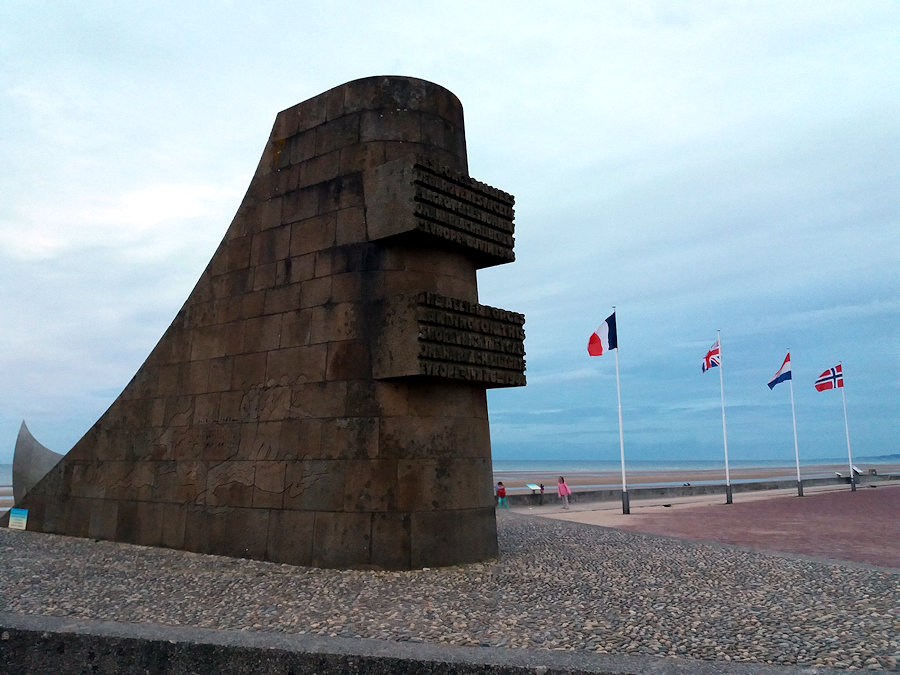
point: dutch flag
(784, 373)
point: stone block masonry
(320, 397)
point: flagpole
(847, 430)
(626, 507)
(796, 448)
(728, 499)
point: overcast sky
(700, 165)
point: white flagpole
(728, 499)
(847, 430)
(626, 508)
(794, 418)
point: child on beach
(501, 495)
(562, 489)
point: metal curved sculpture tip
(31, 462)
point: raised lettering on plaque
(421, 198)
(432, 335)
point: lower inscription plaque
(435, 336)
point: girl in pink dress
(562, 489)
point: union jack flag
(830, 379)
(712, 359)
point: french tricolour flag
(784, 373)
(604, 338)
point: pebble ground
(557, 585)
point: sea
(574, 466)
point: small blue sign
(18, 518)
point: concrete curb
(32, 644)
(675, 491)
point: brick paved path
(861, 526)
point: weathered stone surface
(320, 397)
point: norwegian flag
(830, 379)
(712, 358)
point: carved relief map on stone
(320, 397)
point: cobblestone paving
(557, 585)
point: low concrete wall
(48, 644)
(6, 498)
(673, 491)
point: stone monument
(320, 397)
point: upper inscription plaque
(421, 198)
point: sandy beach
(516, 481)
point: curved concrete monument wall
(320, 398)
